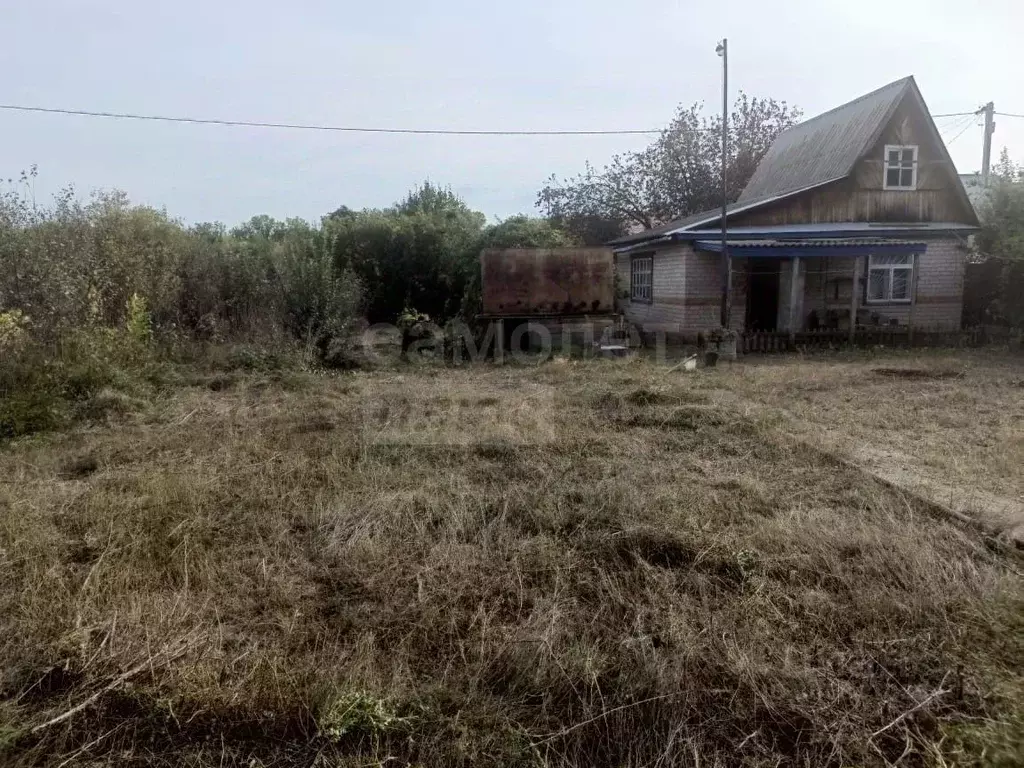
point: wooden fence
(767, 342)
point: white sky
(532, 64)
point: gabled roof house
(856, 216)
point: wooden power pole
(986, 154)
(723, 50)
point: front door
(762, 294)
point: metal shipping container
(529, 282)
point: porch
(824, 287)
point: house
(854, 216)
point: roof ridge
(903, 80)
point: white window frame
(891, 268)
(886, 167)
(641, 278)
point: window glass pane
(640, 278)
(878, 284)
(901, 284)
(886, 259)
(892, 177)
(894, 157)
(907, 177)
(908, 157)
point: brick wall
(940, 285)
(938, 301)
(686, 292)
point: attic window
(900, 167)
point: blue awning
(812, 248)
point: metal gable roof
(695, 220)
(814, 153)
(824, 148)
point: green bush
(86, 374)
(30, 396)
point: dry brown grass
(579, 564)
(948, 425)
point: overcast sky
(529, 64)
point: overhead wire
(957, 125)
(370, 129)
(336, 128)
(961, 132)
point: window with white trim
(890, 277)
(900, 167)
(641, 278)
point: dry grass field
(579, 563)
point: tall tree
(678, 174)
(994, 290)
(420, 253)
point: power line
(361, 129)
(958, 125)
(312, 127)
(961, 133)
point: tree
(589, 229)
(997, 284)
(677, 175)
(261, 226)
(421, 253)
(525, 232)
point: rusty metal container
(532, 282)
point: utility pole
(723, 50)
(990, 127)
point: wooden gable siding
(861, 197)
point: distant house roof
(816, 152)
(825, 148)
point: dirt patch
(919, 373)
(685, 418)
(314, 423)
(77, 467)
(658, 548)
(993, 511)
